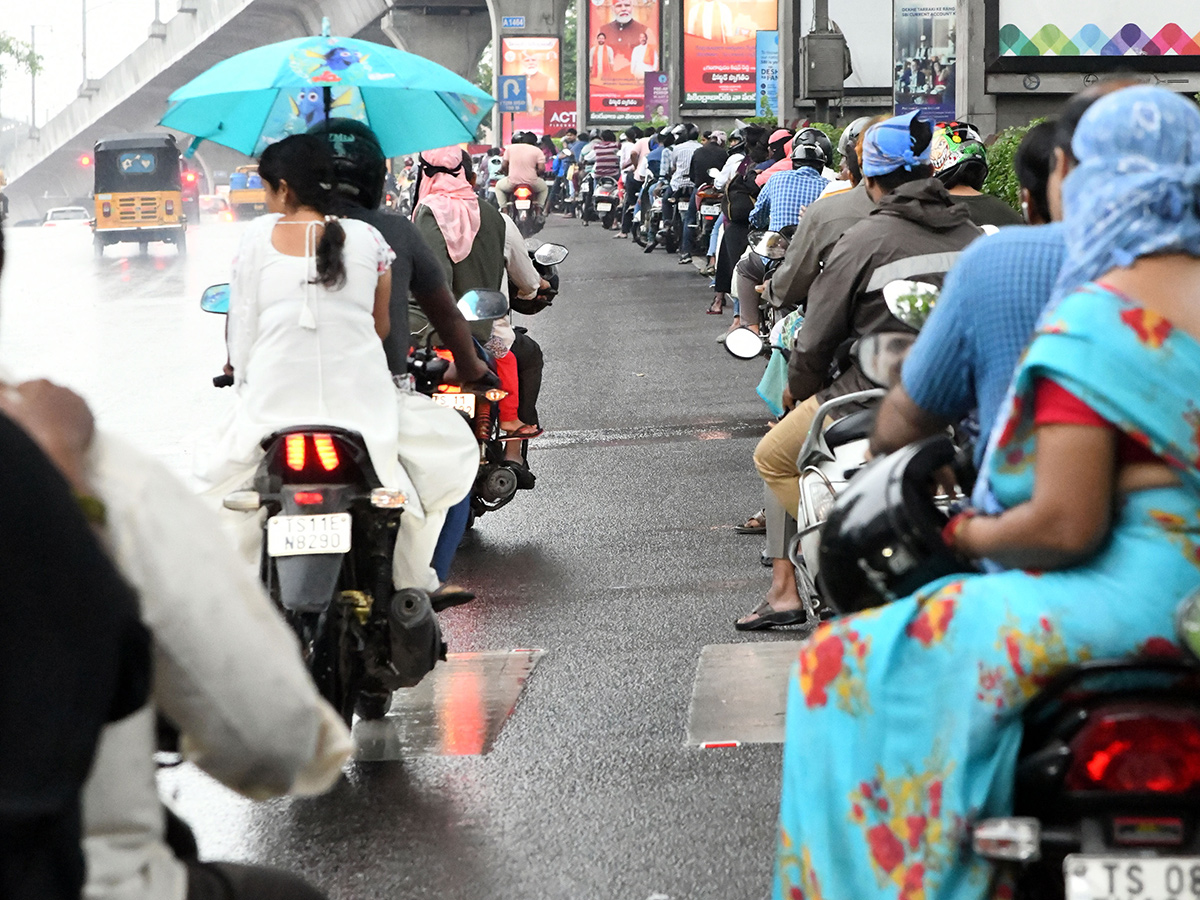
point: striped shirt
(968, 350)
(607, 161)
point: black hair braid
(305, 162)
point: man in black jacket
(916, 231)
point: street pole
(33, 78)
(83, 7)
(821, 25)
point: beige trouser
(775, 455)
(504, 187)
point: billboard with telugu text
(719, 50)
(537, 58)
(624, 44)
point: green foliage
(569, 57)
(20, 53)
(1002, 177)
(483, 72)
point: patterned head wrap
(1136, 190)
(888, 146)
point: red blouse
(1055, 405)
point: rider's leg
(503, 187)
(775, 455)
(749, 274)
(781, 528)
(415, 544)
(529, 376)
(457, 517)
(689, 220)
(541, 194)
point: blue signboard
(513, 97)
(767, 89)
(512, 22)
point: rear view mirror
(911, 301)
(772, 245)
(550, 254)
(215, 299)
(1187, 625)
(483, 306)
(879, 356)
(744, 343)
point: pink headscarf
(452, 201)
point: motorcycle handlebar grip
(223, 381)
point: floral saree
(904, 722)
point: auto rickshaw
(247, 196)
(138, 192)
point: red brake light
(326, 451)
(309, 498)
(1135, 749)
(524, 193)
(294, 447)
(189, 177)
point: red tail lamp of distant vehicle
(85, 160)
(189, 177)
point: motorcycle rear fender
(307, 583)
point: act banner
(719, 50)
(558, 116)
(767, 68)
(924, 57)
(537, 58)
(624, 43)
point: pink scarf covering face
(452, 201)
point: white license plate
(604, 207)
(300, 535)
(682, 205)
(1132, 878)
(657, 204)
(524, 204)
(710, 209)
(464, 402)
(585, 189)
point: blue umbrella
(263, 95)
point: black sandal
(748, 527)
(765, 618)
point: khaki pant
(775, 455)
(504, 187)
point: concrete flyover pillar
(451, 34)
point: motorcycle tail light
(443, 353)
(294, 451)
(1134, 748)
(309, 498)
(106, 209)
(326, 451)
(524, 193)
(170, 206)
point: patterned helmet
(958, 154)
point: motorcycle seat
(854, 427)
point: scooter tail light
(294, 451)
(326, 451)
(1013, 839)
(1132, 749)
(524, 193)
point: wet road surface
(621, 567)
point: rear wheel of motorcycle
(373, 706)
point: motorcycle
(328, 539)
(771, 246)
(1107, 776)
(708, 209)
(648, 218)
(523, 210)
(605, 201)
(671, 230)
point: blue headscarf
(888, 146)
(1136, 190)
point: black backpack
(741, 193)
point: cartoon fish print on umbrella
(309, 105)
(327, 67)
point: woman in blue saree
(904, 722)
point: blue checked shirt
(967, 352)
(784, 197)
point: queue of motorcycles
(1107, 783)
(329, 527)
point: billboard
(537, 58)
(658, 95)
(767, 79)
(558, 116)
(719, 49)
(924, 58)
(624, 43)
(1071, 28)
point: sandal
(524, 433)
(765, 617)
(756, 524)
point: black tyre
(373, 706)
(181, 245)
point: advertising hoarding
(624, 43)
(767, 74)
(658, 95)
(1068, 29)
(924, 58)
(537, 58)
(558, 116)
(719, 50)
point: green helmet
(958, 154)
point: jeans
(452, 534)
(689, 222)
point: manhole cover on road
(740, 693)
(457, 710)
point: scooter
(606, 201)
(708, 211)
(523, 210)
(328, 539)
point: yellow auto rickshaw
(247, 196)
(138, 192)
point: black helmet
(358, 161)
(737, 140)
(811, 147)
(883, 538)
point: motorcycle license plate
(1132, 877)
(585, 188)
(462, 402)
(300, 535)
(604, 207)
(710, 209)
(524, 204)
(657, 204)
(682, 205)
